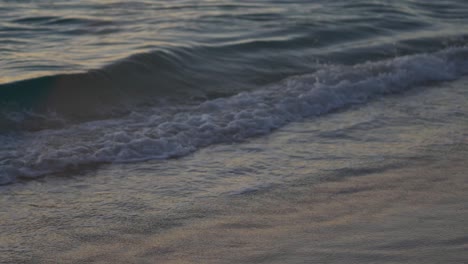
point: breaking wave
(173, 130)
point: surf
(174, 130)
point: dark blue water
(235, 131)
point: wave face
(180, 76)
(173, 130)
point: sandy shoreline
(414, 214)
(381, 183)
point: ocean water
(265, 131)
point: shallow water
(306, 192)
(233, 132)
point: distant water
(124, 122)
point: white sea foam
(161, 133)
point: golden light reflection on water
(9, 79)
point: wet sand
(381, 183)
(412, 215)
